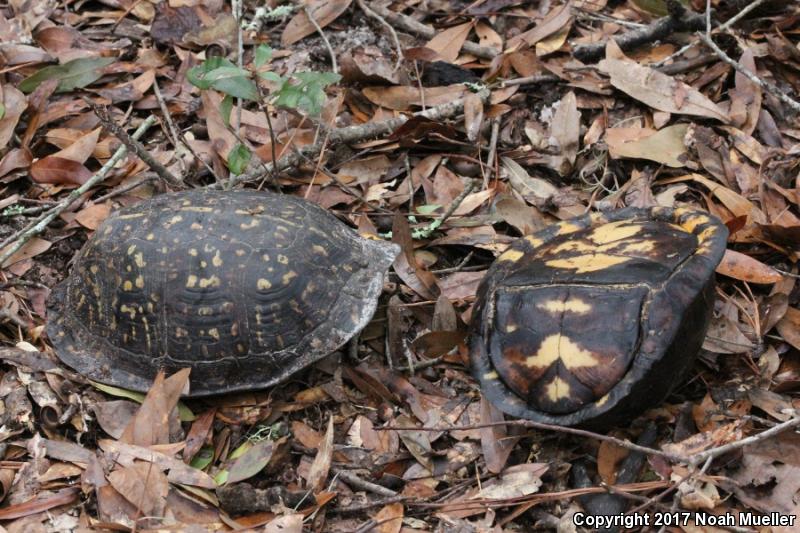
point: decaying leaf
(659, 91)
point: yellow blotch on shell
(587, 263)
(132, 215)
(193, 252)
(282, 259)
(534, 241)
(490, 375)
(250, 225)
(150, 237)
(214, 333)
(196, 226)
(131, 249)
(511, 256)
(263, 284)
(691, 223)
(559, 347)
(93, 269)
(565, 228)
(216, 260)
(289, 276)
(319, 250)
(556, 390)
(571, 305)
(602, 401)
(174, 220)
(126, 309)
(614, 231)
(139, 282)
(511, 327)
(191, 281)
(213, 281)
(139, 260)
(197, 209)
(127, 286)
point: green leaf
(238, 158)
(203, 458)
(221, 477)
(271, 76)
(220, 74)
(71, 75)
(184, 413)
(309, 94)
(427, 209)
(263, 55)
(225, 108)
(2, 110)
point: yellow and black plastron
(592, 320)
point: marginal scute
(244, 308)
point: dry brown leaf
(736, 203)
(403, 98)
(473, 115)
(658, 90)
(30, 249)
(566, 129)
(290, 523)
(495, 442)
(559, 17)
(178, 472)
(318, 473)
(323, 11)
(664, 146)
(389, 518)
(724, 336)
(789, 327)
(448, 42)
(745, 268)
(59, 171)
(151, 424)
(90, 217)
(144, 485)
(14, 104)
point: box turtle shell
(592, 320)
(244, 287)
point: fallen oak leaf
(659, 91)
(744, 268)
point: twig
(700, 457)
(692, 460)
(423, 233)
(529, 80)
(548, 427)
(725, 27)
(255, 170)
(370, 13)
(133, 144)
(149, 176)
(325, 40)
(794, 104)
(409, 24)
(39, 225)
(358, 483)
(172, 132)
(679, 18)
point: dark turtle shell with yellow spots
(243, 287)
(592, 320)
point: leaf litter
(664, 121)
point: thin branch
(38, 226)
(398, 47)
(256, 168)
(407, 23)
(765, 85)
(133, 145)
(325, 40)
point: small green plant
(304, 91)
